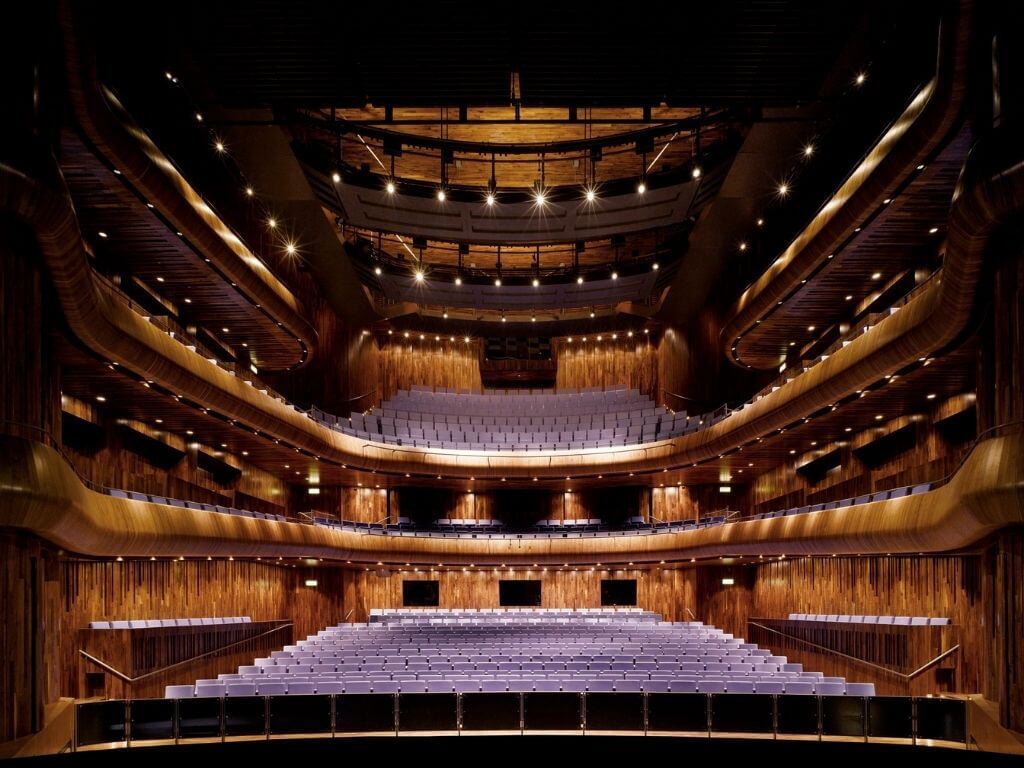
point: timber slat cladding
(668, 591)
(428, 362)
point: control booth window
(519, 592)
(618, 592)
(418, 593)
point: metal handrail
(905, 676)
(130, 680)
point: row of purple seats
(150, 623)
(903, 621)
(896, 493)
(516, 685)
(135, 496)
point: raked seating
(520, 650)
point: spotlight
(536, 282)
(655, 266)
(783, 189)
(419, 275)
(861, 77)
(336, 177)
(390, 187)
(591, 195)
(641, 188)
(497, 282)
(539, 198)
(696, 172)
(219, 146)
(378, 271)
(441, 195)
(250, 191)
(491, 199)
(579, 280)
(290, 249)
(272, 223)
(808, 150)
(615, 275)
(458, 281)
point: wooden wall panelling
(668, 591)
(932, 457)
(629, 362)
(934, 585)
(28, 368)
(429, 363)
(113, 465)
(155, 658)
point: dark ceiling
(305, 52)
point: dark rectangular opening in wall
(618, 592)
(960, 427)
(518, 592)
(421, 593)
(887, 447)
(816, 469)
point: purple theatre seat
(266, 688)
(240, 689)
(358, 686)
(770, 686)
(385, 686)
(799, 687)
(830, 689)
(683, 686)
(179, 691)
(330, 686)
(860, 689)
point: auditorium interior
(652, 375)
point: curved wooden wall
(42, 494)
(910, 141)
(109, 129)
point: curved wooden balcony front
(913, 139)
(110, 130)
(40, 493)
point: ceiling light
(933, 230)
(849, 297)
(290, 249)
(188, 300)
(536, 282)
(503, 318)
(533, 319)
(655, 266)
(491, 199)
(225, 330)
(887, 201)
(810, 327)
(861, 77)
(250, 191)
(377, 271)
(743, 246)
(466, 339)
(390, 187)
(101, 398)
(696, 172)
(272, 223)
(579, 280)
(808, 150)
(538, 197)
(419, 275)
(641, 188)
(591, 195)
(497, 282)
(102, 234)
(592, 314)
(783, 189)
(615, 275)
(879, 417)
(630, 334)
(760, 222)
(335, 177)
(876, 275)
(441, 195)
(458, 281)
(219, 146)
(445, 315)
(159, 279)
